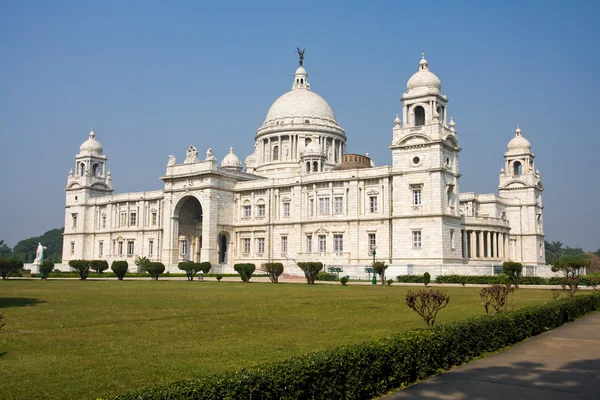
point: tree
(571, 266)
(99, 266)
(427, 303)
(141, 263)
(274, 270)
(245, 271)
(5, 251)
(119, 268)
(155, 269)
(46, 267)
(192, 268)
(311, 270)
(8, 267)
(2, 324)
(25, 249)
(379, 268)
(82, 267)
(513, 270)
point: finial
(518, 130)
(70, 173)
(423, 62)
(231, 150)
(502, 170)
(300, 55)
(92, 134)
(366, 154)
(422, 55)
(397, 120)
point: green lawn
(80, 340)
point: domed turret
(231, 161)
(519, 143)
(424, 79)
(91, 146)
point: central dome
(300, 103)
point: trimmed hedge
(326, 276)
(409, 278)
(119, 268)
(371, 369)
(9, 267)
(489, 279)
(245, 270)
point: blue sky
(153, 77)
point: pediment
(414, 140)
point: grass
(84, 339)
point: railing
(480, 220)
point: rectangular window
(104, 221)
(416, 236)
(416, 197)
(114, 251)
(324, 206)
(74, 216)
(372, 242)
(246, 245)
(260, 245)
(123, 220)
(130, 247)
(284, 245)
(338, 205)
(311, 207)
(72, 248)
(260, 210)
(247, 211)
(100, 248)
(452, 247)
(286, 209)
(373, 204)
(338, 243)
(309, 243)
(154, 218)
(120, 248)
(322, 244)
(132, 219)
(150, 248)
(184, 248)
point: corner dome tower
(424, 80)
(295, 120)
(231, 161)
(91, 146)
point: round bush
(119, 268)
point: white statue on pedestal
(39, 254)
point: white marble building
(301, 197)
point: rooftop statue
(301, 54)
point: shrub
(311, 270)
(9, 267)
(344, 280)
(496, 297)
(192, 268)
(219, 277)
(513, 270)
(571, 266)
(389, 282)
(379, 268)
(82, 267)
(427, 303)
(119, 268)
(491, 279)
(410, 278)
(2, 324)
(46, 267)
(426, 278)
(141, 263)
(325, 276)
(593, 281)
(99, 266)
(155, 269)
(245, 271)
(274, 270)
(371, 369)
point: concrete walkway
(561, 364)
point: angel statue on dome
(301, 54)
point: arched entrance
(222, 242)
(188, 232)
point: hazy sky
(153, 77)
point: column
(472, 244)
(279, 149)
(497, 245)
(480, 236)
(492, 242)
(489, 244)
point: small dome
(313, 148)
(301, 71)
(231, 161)
(424, 78)
(519, 142)
(91, 146)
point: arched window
(517, 168)
(308, 167)
(81, 169)
(315, 166)
(96, 170)
(275, 153)
(302, 81)
(419, 116)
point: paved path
(562, 364)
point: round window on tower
(416, 160)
